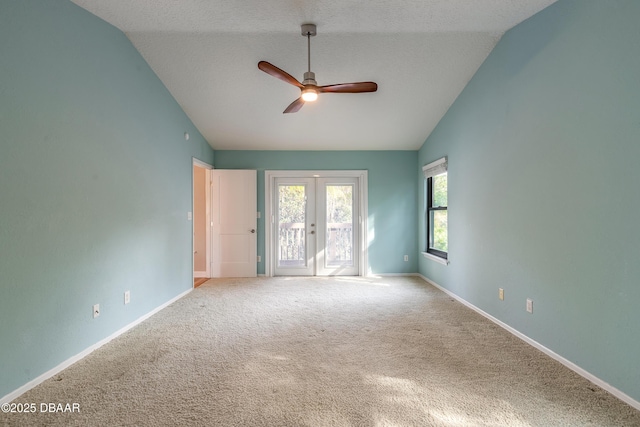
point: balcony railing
(292, 240)
(292, 244)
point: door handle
(253, 230)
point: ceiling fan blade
(350, 87)
(278, 73)
(294, 106)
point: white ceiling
(420, 52)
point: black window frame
(429, 209)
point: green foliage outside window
(438, 218)
(291, 203)
(339, 203)
(440, 190)
(439, 231)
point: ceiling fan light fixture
(309, 94)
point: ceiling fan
(309, 86)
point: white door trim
(269, 186)
(200, 163)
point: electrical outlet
(96, 310)
(127, 297)
(406, 257)
(529, 305)
(259, 258)
(501, 294)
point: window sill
(435, 258)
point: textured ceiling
(420, 52)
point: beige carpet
(321, 352)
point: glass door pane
(291, 225)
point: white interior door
(233, 220)
(316, 226)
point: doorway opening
(201, 222)
(316, 223)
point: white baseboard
(28, 386)
(577, 369)
(200, 274)
(393, 275)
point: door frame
(207, 167)
(269, 189)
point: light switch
(189, 216)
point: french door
(295, 217)
(316, 225)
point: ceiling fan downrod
(309, 30)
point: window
(436, 209)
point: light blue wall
(95, 185)
(543, 147)
(392, 196)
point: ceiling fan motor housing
(309, 78)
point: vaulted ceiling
(420, 52)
